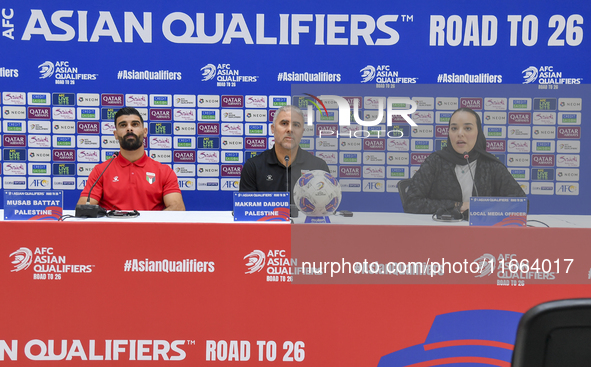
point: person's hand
(465, 206)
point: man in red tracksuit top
(133, 181)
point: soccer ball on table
(317, 193)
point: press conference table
(191, 288)
(359, 218)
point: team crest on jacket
(150, 177)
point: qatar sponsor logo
(350, 172)
(495, 145)
(88, 127)
(418, 158)
(112, 100)
(327, 130)
(232, 101)
(570, 132)
(441, 131)
(473, 103)
(64, 155)
(520, 118)
(231, 170)
(255, 143)
(208, 129)
(160, 114)
(543, 160)
(15, 141)
(374, 144)
(184, 156)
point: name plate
(33, 205)
(498, 211)
(261, 206)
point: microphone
(293, 210)
(466, 156)
(93, 211)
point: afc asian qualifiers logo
(22, 259)
(368, 73)
(256, 261)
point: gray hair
(288, 108)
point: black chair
(402, 189)
(554, 334)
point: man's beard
(129, 144)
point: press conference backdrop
(208, 77)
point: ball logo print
(256, 261)
(317, 193)
(22, 259)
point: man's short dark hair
(128, 111)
